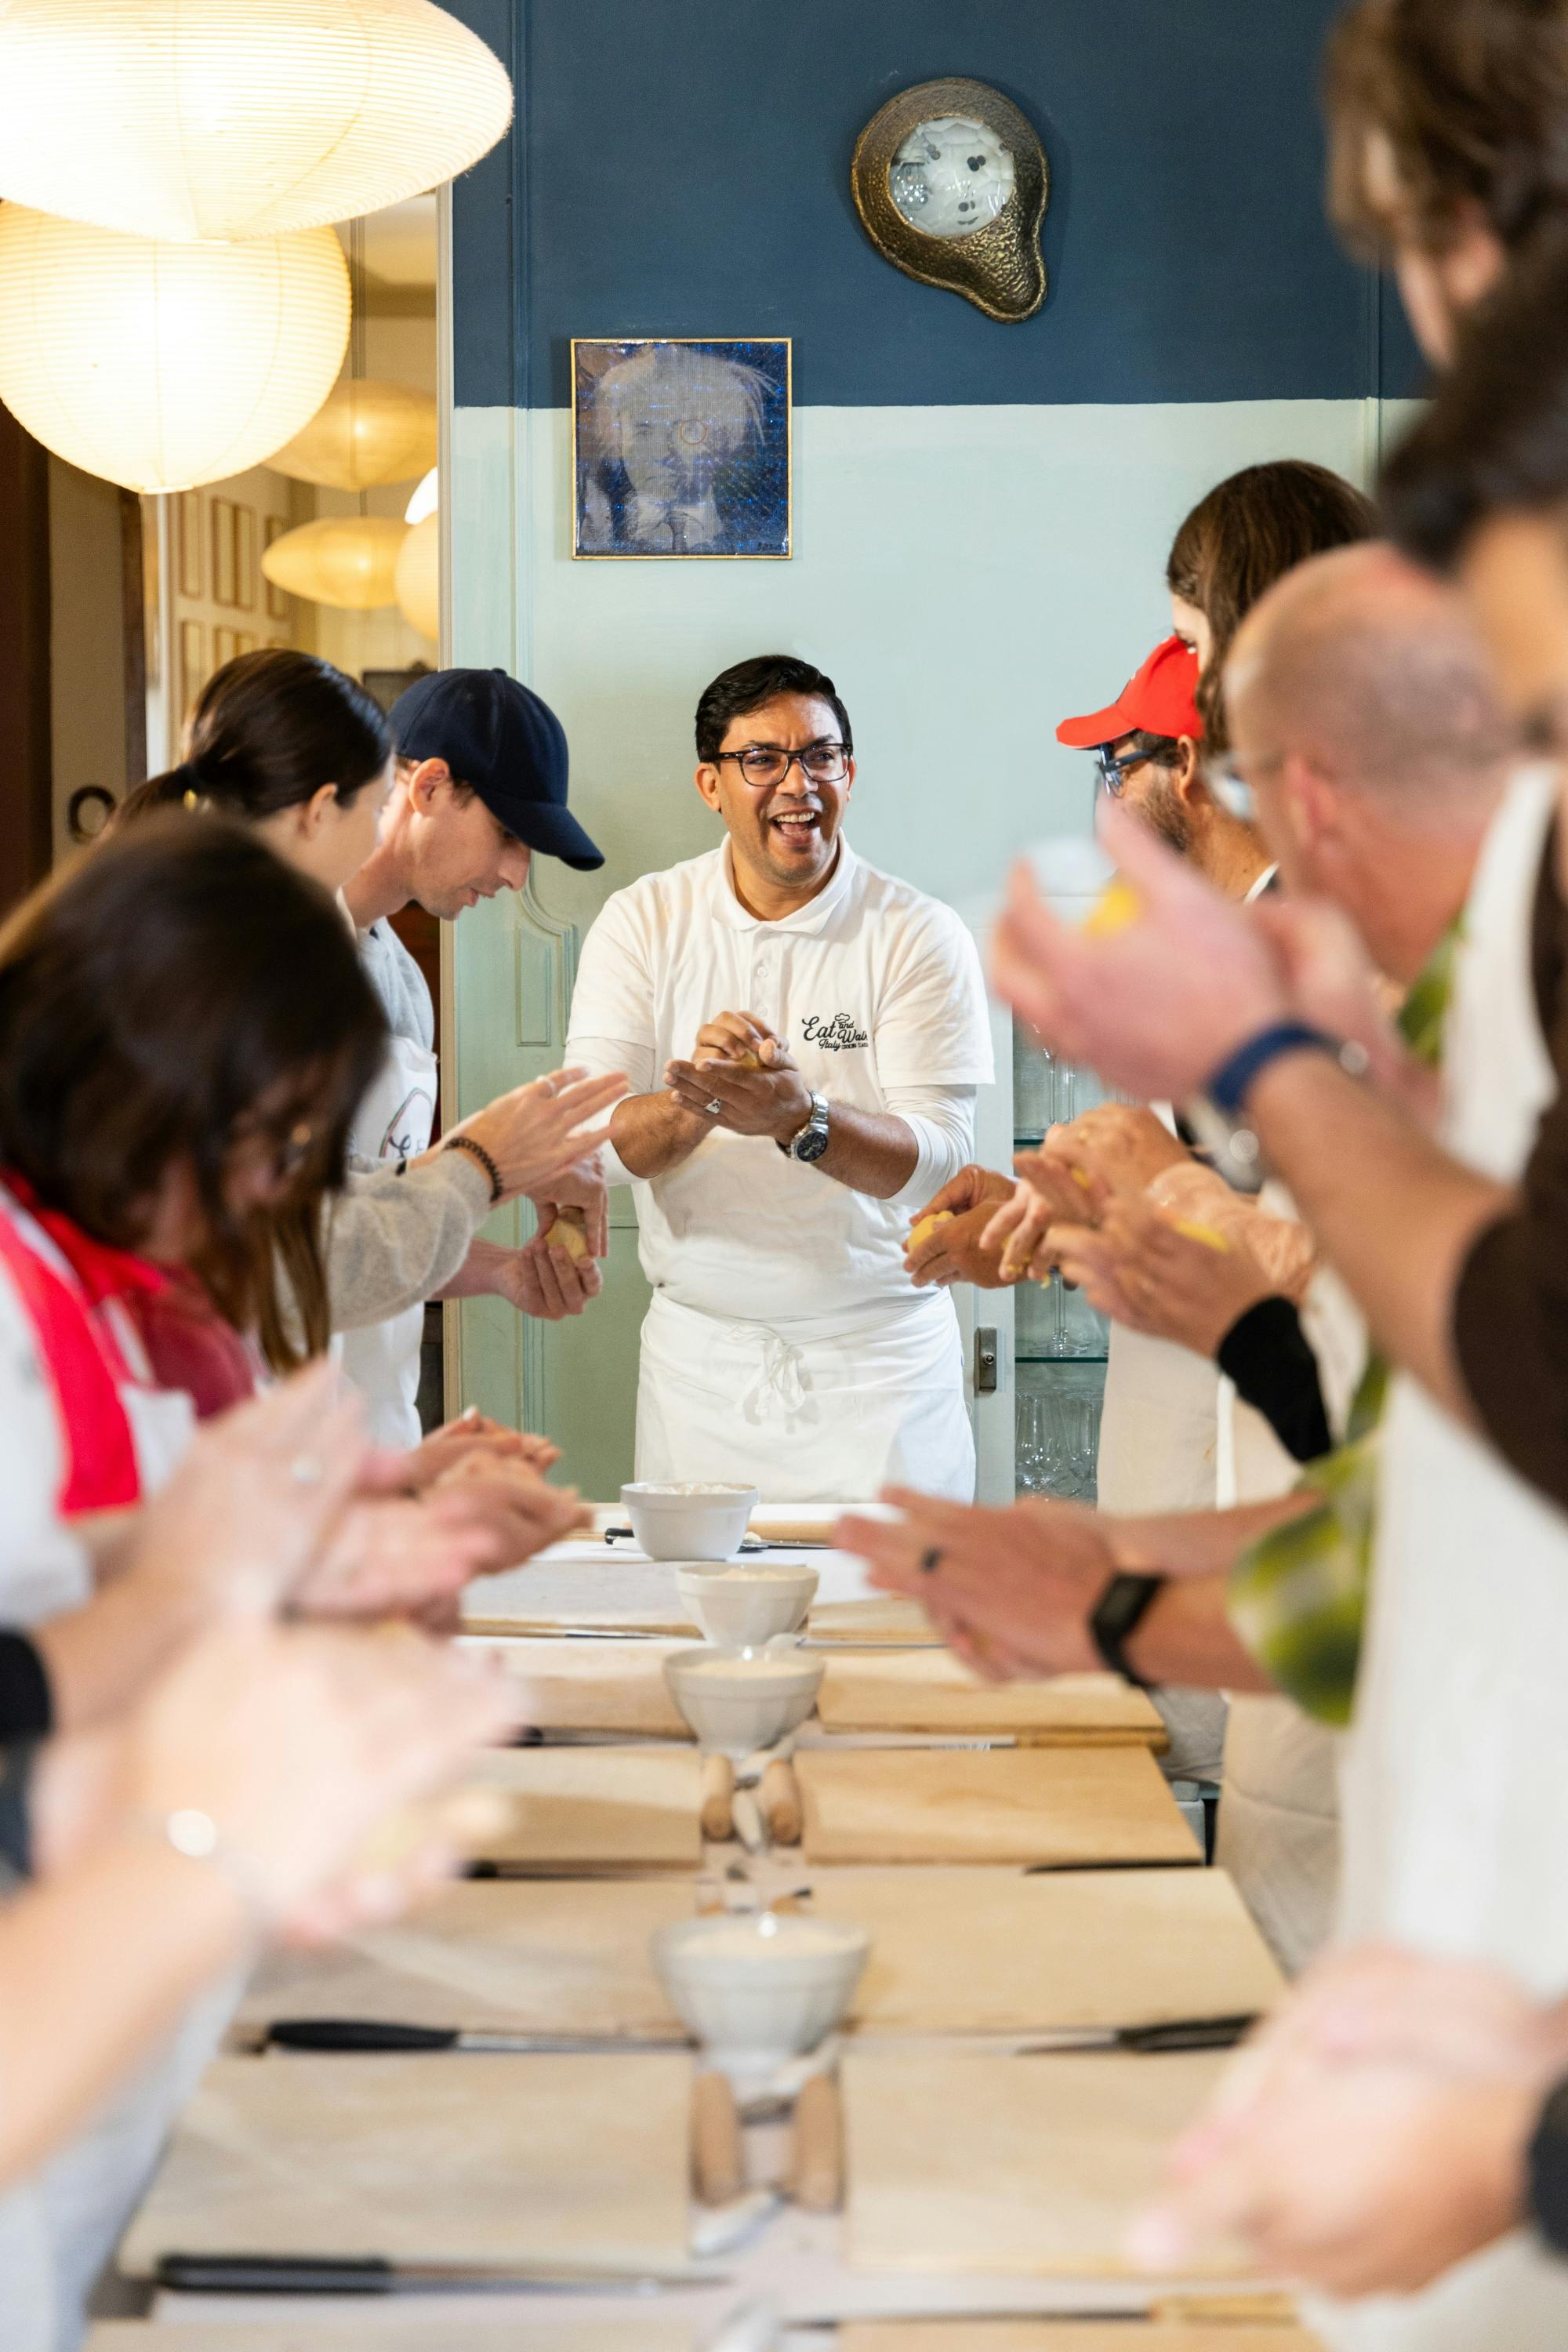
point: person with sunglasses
(804, 1037)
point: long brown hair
(1471, 96)
(171, 991)
(1249, 531)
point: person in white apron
(480, 785)
(804, 1037)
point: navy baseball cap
(496, 736)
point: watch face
(951, 176)
(812, 1144)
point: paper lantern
(426, 498)
(419, 578)
(345, 560)
(160, 366)
(238, 117)
(365, 433)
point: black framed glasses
(1112, 771)
(770, 763)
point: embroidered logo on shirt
(835, 1037)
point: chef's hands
(740, 1063)
(953, 1250)
(1012, 1590)
(539, 1135)
(1372, 2134)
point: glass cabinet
(1059, 1342)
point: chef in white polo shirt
(805, 1037)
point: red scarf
(85, 1364)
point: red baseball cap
(1158, 699)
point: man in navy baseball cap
(481, 789)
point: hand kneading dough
(921, 1232)
(569, 1231)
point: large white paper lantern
(366, 432)
(426, 499)
(350, 561)
(238, 117)
(418, 581)
(160, 366)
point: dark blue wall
(681, 167)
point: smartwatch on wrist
(1546, 2168)
(810, 1142)
(1119, 1611)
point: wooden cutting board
(1056, 2336)
(596, 1808)
(615, 1687)
(516, 2332)
(577, 2160)
(959, 2162)
(1061, 1806)
(551, 1955)
(931, 1690)
(870, 1624)
(996, 1952)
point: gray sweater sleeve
(393, 1241)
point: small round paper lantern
(426, 498)
(345, 560)
(238, 117)
(366, 432)
(419, 578)
(161, 366)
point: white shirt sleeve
(44, 1569)
(610, 1025)
(942, 1121)
(931, 1024)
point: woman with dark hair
(286, 744)
(1248, 531)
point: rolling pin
(816, 2178)
(717, 1818)
(718, 2170)
(779, 1796)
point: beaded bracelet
(466, 1143)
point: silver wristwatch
(811, 1142)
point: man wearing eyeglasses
(805, 1037)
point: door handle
(985, 1359)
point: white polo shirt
(877, 992)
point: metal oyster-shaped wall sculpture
(950, 185)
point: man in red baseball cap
(1145, 746)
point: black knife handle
(356, 2033)
(274, 2274)
(1188, 2033)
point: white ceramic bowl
(759, 1986)
(748, 1604)
(689, 1522)
(737, 1701)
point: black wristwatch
(1119, 1611)
(1547, 2170)
(811, 1140)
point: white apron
(1455, 1782)
(393, 1123)
(812, 1411)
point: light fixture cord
(357, 317)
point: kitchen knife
(373, 2274)
(1175, 2033)
(339, 2034)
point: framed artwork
(225, 644)
(245, 558)
(223, 539)
(189, 527)
(681, 447)
(193, 662)
(273, 527)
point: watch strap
(1547, 2171)
(1119, 1611)
(1237, 1075)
